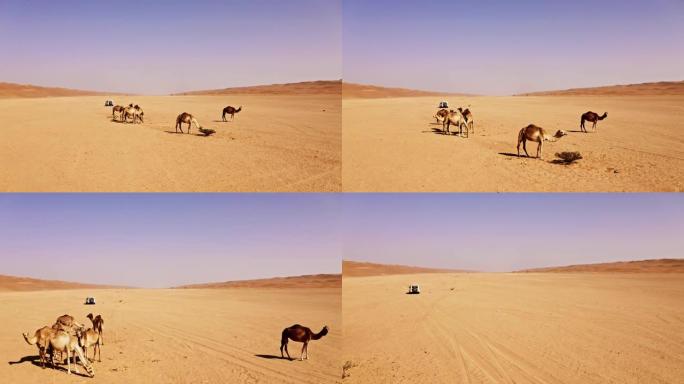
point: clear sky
(162, 240)
(506, 47)
(506, 232)
(164, 46)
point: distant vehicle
(109, 103)
(443, 104)
(414, 289)
(90, 301)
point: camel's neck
(318, 335)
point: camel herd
(67, 337)
(136, 114)
(463, 118)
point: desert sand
(17, 283)
(365, 91)
(394, 145)
(277, 143)
(514, 328)
(304, 281)
(360, 268)
(180, 336)
(639, 266)
(14, 90)
(321, 87)
(651, 89)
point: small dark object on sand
(207, 131)
(567, 157)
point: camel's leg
(223, 117)
(594, 127)
(539, 149)
(524, 142)
(301, 355)
(68, 362)
(189, 126)
(179, 126)
(288, 352)
(519, 147)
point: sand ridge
(366, 91)
(320, 87)
(359, 269)
(18, 283)
(13, 90)
(660, 88)
(639, 266)
(304, 281)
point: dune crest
(304, 281)
(320, 87)
(17, 283)
(639, 266)
(360, 269)
(642, 89)
(365, 91)
(13, 90)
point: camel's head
(605, 114)
(324, 331)
(130, 105)
(90, 316)
(239, 109)
(560, 133)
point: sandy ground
(515, 328)
(394, 145)
(277, 143)
(180, 336)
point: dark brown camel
(230, 111)
(97, 325)
(300, 334)
(591, 117)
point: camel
(538, 134)
(66, 323)
(119, 109)
(230, 111)
(456, 118)
(188, 119)
(40, 339)
(91, 338)
(300, 334)
(97, 325)
(441, 115)
(592, 117)
(135, 112)
(468, 118)
(63, 342)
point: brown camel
(97, 325)
(300, 334)
(230, 111)
(468, 116)
(441, 115)
(41, 339)
(591, 117)
(187, 119)
(538, 134)
(119, 109)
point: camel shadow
(33, 359)
(185, 133)
(221, 121)
(509, 154)
(270, 357)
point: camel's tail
(33, 340)
(283, 338)
(520, 135)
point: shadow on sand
(185, 133)
(272, 357)
(35, 360)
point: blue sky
(158, 47)
(507, 47)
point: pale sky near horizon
(496, 47)
(163, 240)
(161, 47)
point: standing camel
(41, 339)
(135, 112)
(119, 109)
(187, 119)
(64, 342)
(230, 111)
(591, 117)
(457, 119)
(538, 134)
(468, 116)
(300, 334)
(97, 325)
(441, 115)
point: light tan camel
(188, 119)
(40, 339)
(441, 115)
(300, 334)
(118, 110)
(91, 338)
(457, 119)
(97, 321)
(134, 112)
(64, 342)
(537, 134)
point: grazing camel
(230, 111)
(468, 116)
(134, 112)
(119, 109)
(300, 334)
(91, 338)
(188, 119)
(40, 339)
(441, 115)
(592, 117)
(538, 134)
(457, 119)
(64, 342)
(97, 324)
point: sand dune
(321, 87)
(514, 328)
(357, 268)
(394, 145)
(181, 336)
(365, 91)
(277, 143)
(304, 281)
(640, 266)
(12, 90)
(644, 89)
(15, 283)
